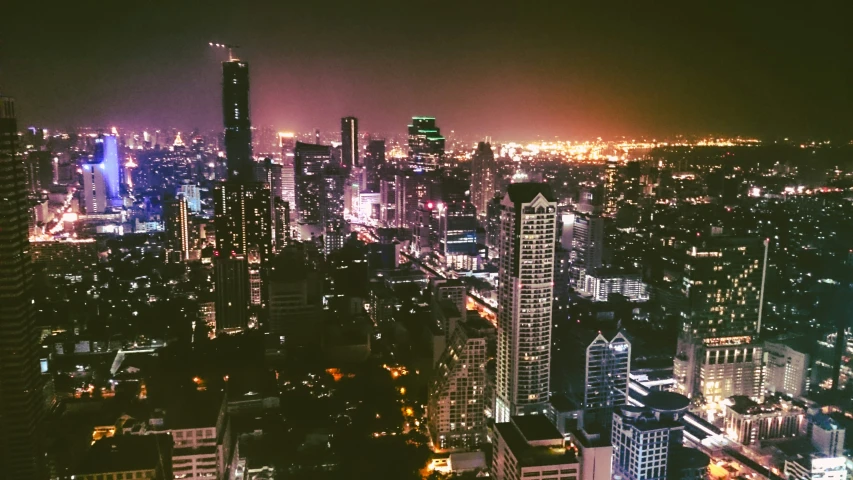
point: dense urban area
(250, 303)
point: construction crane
(225, 45)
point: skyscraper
(611, 172)
(374, 160)
(106, 154)
(176, 223)
(723, 286)
(309, 160)
(587, 246)
(232, 291)
(94, 194)
(426, 145)
(457, 393)
(334, 178)
(608, 363)
(235, 112)
(526, 276)
(483, 171)
(349, 142)
(21, 404)
(242, 219)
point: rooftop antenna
(228, 46)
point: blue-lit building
(106, 154)
(458, 236)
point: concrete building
(816, 466)
(788, 367)
(526, 288)
(595, 453)
(587, 246)
(450, 289)
(531, 447)
(748, 422)
(457, 404)
(127, 457)
(601, 282)
(94, 193)
(642, 441)
(827, 435)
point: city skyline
(629, 71)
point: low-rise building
(127, 457)
(748, 422)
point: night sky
(514, 72)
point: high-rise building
(457, 232)
(309, 160)
(374, 160)
(242, 219)
(611, 196)
(349, 142)
(21, 405)
(723, 285)
(334, 179)
(457, 417)
(483, 172)
(388, 202)
(238, 127)
(608, 364)
(788, 366)
(426, 145)
(106, 154)
(94, 193)
(525, 293)
(587, 246)
(232, 291)
(176, 224)
(192, 193)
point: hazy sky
(549, 68)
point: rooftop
(526, 192)
(536, 427)
(528, 455)
(125, 453)
(666, 401)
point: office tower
(296, 301)
(94, 194)
(40, 171)
(334, 178)
(176, 223)
(21, 403)
(235, 112)
(253, 262)
(483, 171)
(270, 173)
(525, 292)
(374, 160)
(531, 446)
(232, 291)
(601, 282)
(308, 164)
(644, 439)
(106, 154)
(283, 233)
(426, 145)
(349, 142)
(242, 219)
(192, 193)
(723, 286)
(457, 417)
(611, 196)
(587, 246)
(413, 190)
(388, 202)
(608, 364)
(457, 232)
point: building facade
(526, 276)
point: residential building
(526, 288)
